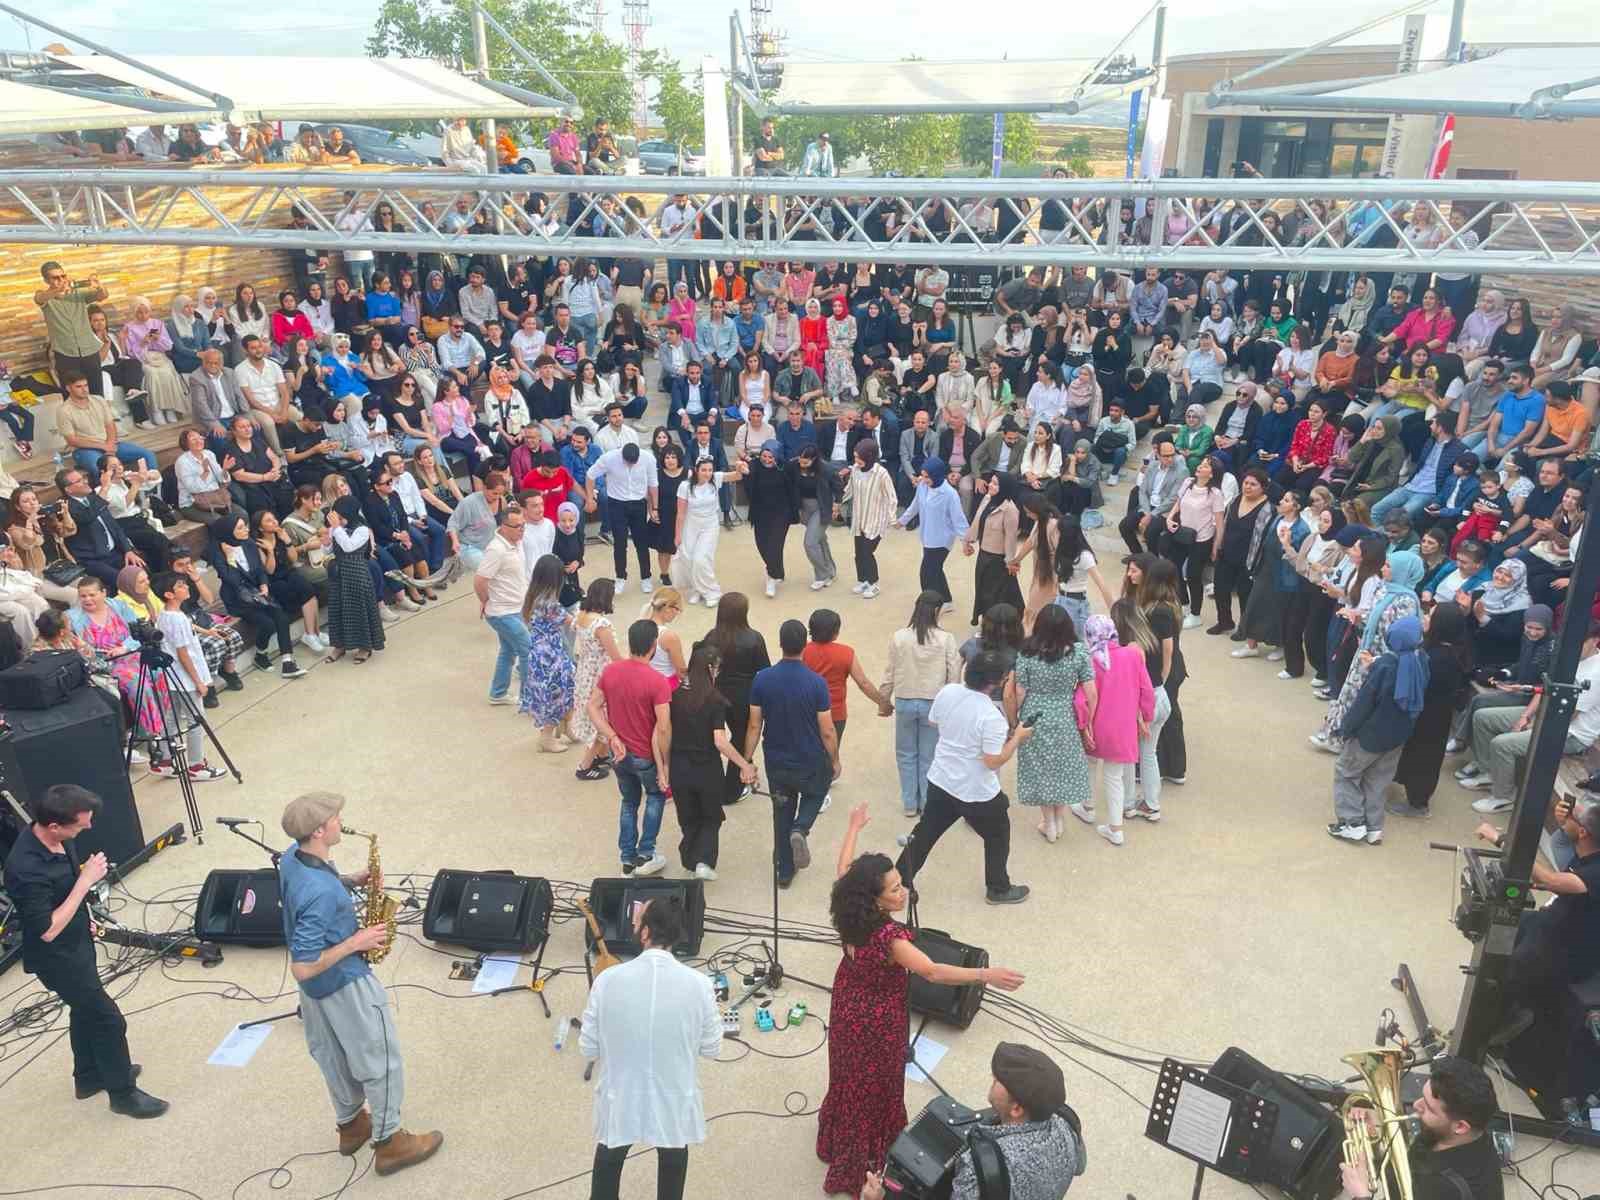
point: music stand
(1211, 1122)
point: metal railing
(1518, 227)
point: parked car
(379, 145)
(657, 156)
(537, 158)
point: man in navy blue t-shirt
(789, 703)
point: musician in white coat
(646, 1021)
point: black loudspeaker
(78, 742)
(953, 1004)
(612, 901)
(1308, 1143)
(488, 910)
(240, 908)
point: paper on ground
(239, 1047)
(498, 971)
(929, 1054)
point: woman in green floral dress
(1052, 768)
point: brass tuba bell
(1376, 1125)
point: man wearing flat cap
(1043, 1153)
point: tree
(920, 144)
(1075, 153)
(594, 67)
(680, 104)
(1021, 143)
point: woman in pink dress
(865, 1108)
(103, 623)
(1125, 704)
(681, 311)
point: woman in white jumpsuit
(694, 567)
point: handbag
(217, 500)
(43, 679)
(435, 328)
(63, 572)
(1110, 440)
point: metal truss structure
(1520, 227)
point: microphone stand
(771, 977)
(231, 824)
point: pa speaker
(953, 1004)
(1303, 1157)
(488, 910)
(240, 908)
(614, 901)
(79, 742)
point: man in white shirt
(538, 531)
(461, 354)
(645, 1024)
(630, 477)
(964, 780)
(479, 304)
(153, 144)
(615, 433)
(262, 383)
(500, 583)
(675, 219)
(357, 262)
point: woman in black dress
(670, 476)
(246, 594)
(1113, 351)
(743, 652)
(353, 619)
(774, 506)
(700, 742)
(1448, 645)
(1244, 531)
(285, 584)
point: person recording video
(1043, 1153)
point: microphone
(230, 822)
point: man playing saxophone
(349, 1029)
(1453, 1156)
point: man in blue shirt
(577, 456)
(349, 1029)
(1424, 486)
(789, 703)
(1517, 417)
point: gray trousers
(817, 522)
(1499, 751)
(1461, 725)
(1359, 779)
(352, 1038)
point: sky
(818, 30)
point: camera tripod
(155, 664)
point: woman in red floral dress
(865, 1108)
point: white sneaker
(646, 586)
(694, 597)
(701, 871)
(1284, 675)
(1454, 746)
(947, 610)
(654, 867)
(1114, 836)
(314, 643)
(1246, 651)
(405, 603)
(1317, 681)
(1490, 804)
(1086, 815)
(1192, 622)
(870, 592)
(1374, 836)
(1274, 655)
(713, 601)
(828, 582)
(619, 585)
(859, 588)
(827, 801)
(1349, 833)
(818, 584)
(387, 612)
(1114, 478)
(772, 587)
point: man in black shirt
(769, 151)
(917, 387)
(517, 297)
(1453, 1157)
(313, 455)
(44, 880)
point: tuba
(1379, 1145)
(380, 909)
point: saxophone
(380, 909)
(1375, 1125)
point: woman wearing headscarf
(940, 522)
(1193, 440)
(1274, 432)
(1447, 644)
(1511, 685)
(814, 338)
(146, 340)
(188, 333)
(1478, 330)
(1376, 462)
(1084, 398)
(1396, 600)
(1305, 619)
(1555, 354)
(956, 391)
(839, 374)
(774, 506)
(872, 339)
(1498, 614)
(245, 593)
(354, 622)
(212, 317)
(1078, 492)
(1125, 703)
(993, 537)
(1374, 728)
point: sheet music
(239, 1047)
(498, 971)
(1200, 1122)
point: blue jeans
(1473, 441)
(361, 274)
(1412, 502)
(437, 540)
(128, 452)
(797, 798)
(512, 631)
(588, 324)
(1119, 456)
(914, 743)
(636, 780)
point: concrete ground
(1236, 921)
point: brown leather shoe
(355, 1133)
(406, 1149)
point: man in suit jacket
(916, 444)
(1006, 439)
(883, 427)
(959, 433)
(1156, 494)
(215, 398)
(837, 438)
(694, 403)
(100, 546)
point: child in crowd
(837, 664)
(568, 547)
(354, 623)
(192, 676)
(1125, 704)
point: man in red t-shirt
(630, 706)
(550, 479)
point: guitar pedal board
(731, 1025)
(797, 1014)
(764, 1020)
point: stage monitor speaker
(240, 908)
(1303, 1157)
(953, 1004)
(488, 910)
(612, 901)
(78, 742)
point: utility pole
(738, 102)
(635, 19)
(597, 17)
(480, 47)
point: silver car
(657, 156)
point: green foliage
(679, 102)
(920, 144)
(592, 66)
(977, 139)
(1074, 152)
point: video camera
(923, 1159)
(145, 633)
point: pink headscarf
(1100, 632)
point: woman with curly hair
(865, 1108)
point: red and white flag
(1441, 149)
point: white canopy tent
(269, 87)
(1037, 86)
(28, 110)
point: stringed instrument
(603, 958)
